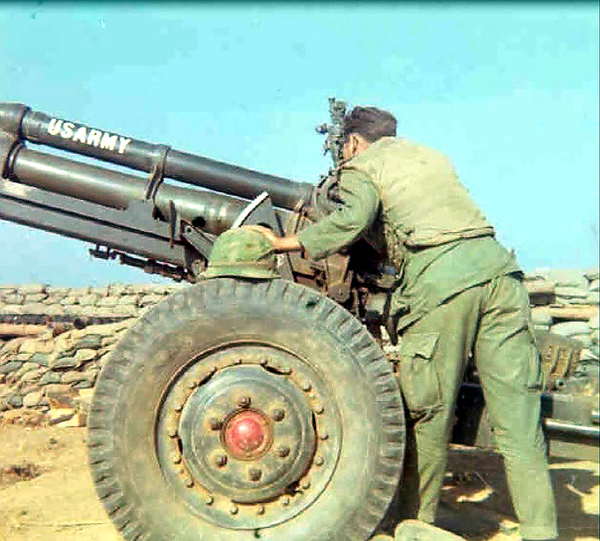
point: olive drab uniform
(460, 294)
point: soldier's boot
(415, 530)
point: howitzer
(239, 409)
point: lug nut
(233, 510)
(244, 402)
(260, 510)
(189, 482)
(285, 369)
(209, 500)
(324, 435)
(221, 460)
(305, 485)
(306, 386)
(319, 461)
(283, 451)
(215, 423)
(254, 474)
(175, 458)
(278, 414)
(319, 408)
(285, 501)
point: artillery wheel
(246, 410)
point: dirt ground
(46, 492)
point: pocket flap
(419, 345)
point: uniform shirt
(407, 199)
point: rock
(125, 310)
(84, 384)
(36, 297)
(128, 300)
(26, 367)
(593, 298)
(32, 289)
(590, 354)
(59, 415)
(15, 400)
(90, 341)
(148, 300)
(88, 300)
(108, 301)
(54, 309)
(37, 308)
(70, 300)
(60, 395)
(64, 362)
(33, 399)
(16, 298)
(85, 355)
(570, 328)
(10, 367)
(23, 417)
(33, 375)
(37, 346)
(541, 316)
(42, 359)
(50, 377)
(72, 377)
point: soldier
(460, 294)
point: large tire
(327, 457)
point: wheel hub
(248, 436)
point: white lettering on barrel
(67, 130)
(80, 135)
(108, 141)
(94, 137)
(54, 126)
(123, 144)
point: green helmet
(244, 252)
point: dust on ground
(46, 492)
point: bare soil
(46, 492)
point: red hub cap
(247, 435)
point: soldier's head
(363, 126)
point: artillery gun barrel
(40, 128)
(213, 212)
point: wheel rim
(248, 436)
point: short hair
(369, 122)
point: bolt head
(209, 500)
(278, 414)
(260, 510)
(254, 474)
(319, 461)
(244, 401)
(175, 458)
(221, 460)
(285, 501)
(306, 386)
(324, 435)
(305, 485)
(233, 509)
(215, 423)
(319, 408)
(283, 451)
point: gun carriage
(239, 408)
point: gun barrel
(40, 128)
(214, 212)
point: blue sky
(508, 91)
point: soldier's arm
(360, 205)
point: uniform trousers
(491, 322)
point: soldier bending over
(460, 293)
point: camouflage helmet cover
(242, 252)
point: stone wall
(48, 371)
